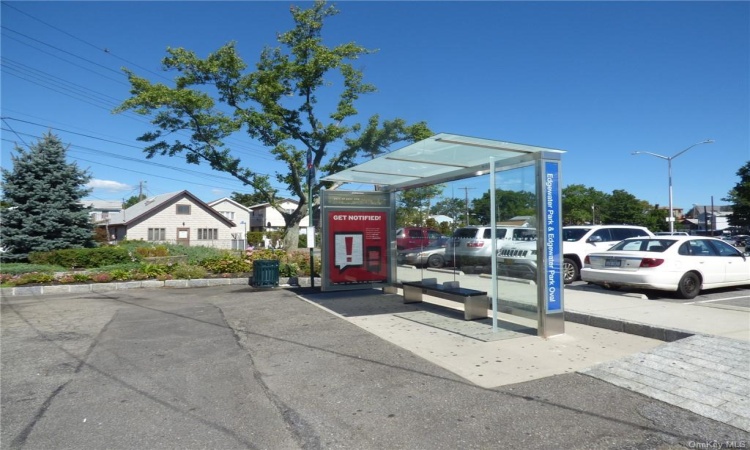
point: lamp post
(593, 215)
(669, 166)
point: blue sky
(599, 80)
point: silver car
(472, 246)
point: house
(518, 221)
(101, 210)
(178, 218)
(264, 217)
(711, 220)
(440, 218)
(237, 213)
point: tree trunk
(291, 238)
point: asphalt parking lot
(234, 367)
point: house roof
(227, 199)
(152, 205)
(103, 205)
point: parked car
(472, 246)
(519, 259)
(740, 240)
(682, 264)
(433, 256)
(416, 237)
(579, 241)
(671, 233)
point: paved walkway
(707, 375)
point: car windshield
(574, 234)
(643, 245)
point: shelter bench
(475, 302)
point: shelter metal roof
(440, 158)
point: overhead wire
(195, 173)
(82, 93)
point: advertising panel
(357, 246)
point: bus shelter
(446, 158)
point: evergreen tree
(44, 195)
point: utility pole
(466, 192)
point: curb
(638, 329)
(21, 291)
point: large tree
(44, 194)
(739, 197)
(248, 199)
(413, 205)
(282, 104)
(581, 204)
(508, 204)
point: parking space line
(718, 300)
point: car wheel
(689, 286)
(435, 261)
(571, 271)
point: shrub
(158, 250)
(226, 263)
(288, 270)
(153, 270)
(82, 257)
(302, 260)
(74, 278)
(101, 277)
(31, 278)
(188, 272)
(120, 274)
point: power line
(151, 163)
(105, 50)
(61, 50)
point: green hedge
(84, 257)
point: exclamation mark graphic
(348, 241)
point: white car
(580, 240)
(682, 264)
(519, 259)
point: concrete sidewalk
(689, 355)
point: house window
(183, 209)
(157, 234)
(228, 214)
(208, 233)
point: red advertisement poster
(358, 245)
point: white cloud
(108, 185)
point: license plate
(612, 263)
(508, 261)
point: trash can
(265, 273)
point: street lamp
(669, 166)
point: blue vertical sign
(552, 241)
